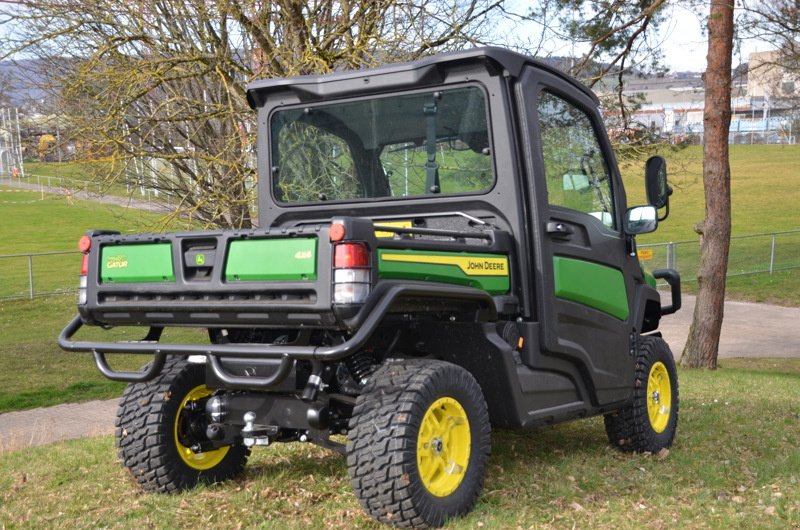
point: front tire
(418, 443)
(156, 427)
(649, 422)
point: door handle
(558, 229)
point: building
(765, 103)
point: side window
(575, 170)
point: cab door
(582, 258)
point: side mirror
(641, 220)
(655, 178)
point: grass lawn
(764, 191)
(69, 170)
(89, 176)
(764, 196)
(735, 464)
(34, 223)
(34, 372)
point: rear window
(407, 145)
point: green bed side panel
(151, 262)
(292, 259)
(488, 272)
(591, 284)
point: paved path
(749, 330)
(30, 428)
(125, 202)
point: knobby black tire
(629, 428)
(382, 442)
(145, 438)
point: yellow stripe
(471, 266)
(396, 224)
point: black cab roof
(426, 71)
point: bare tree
(702, 344)
(610, 42)
(156, 88)
(776, 22)
(775, 74)
(5, 91)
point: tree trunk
(702, 344)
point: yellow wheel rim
(443, 447)
(659, 397)
(198, 461)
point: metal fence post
(30, 275)
(671, 255)
(772, 255)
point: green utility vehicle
(444, 247)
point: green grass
(70, 170)
(34, 223)
(764, 191)
(734, 464)
(90, 176)
(779, 288)
(35, 372)
(764, 199)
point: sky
(682, 39)
(686, 45)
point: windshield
(428, 143)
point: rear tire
(418, 443)
(649, 422)
(155, 430)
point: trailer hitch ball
(248, 432)
(249, 422)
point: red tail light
(350, 255)
(84, 244)
(351, 273)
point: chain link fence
(67, 188)
(39, 274)
(49, 273)
(750, 254)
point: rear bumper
(384, 298)
(209, 295)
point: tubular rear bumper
(672, 277)
(365, 323)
